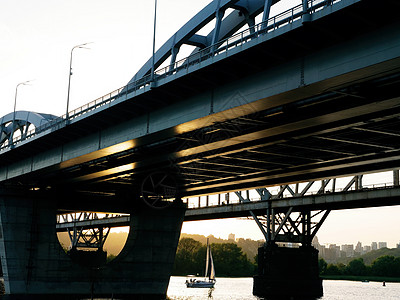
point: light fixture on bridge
(82, 46)
(154, 41)
(11, 143)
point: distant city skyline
(333, 252)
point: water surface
(241, 289)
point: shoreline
(360, 278)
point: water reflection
(210, 293)
(291, 298)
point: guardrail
(303, 189)
(93, 220)
(219, 48)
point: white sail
(207, 260)
(212, 270)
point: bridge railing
(84, 216)
(83, 220)
(220, 48)
(311, 188)
(223, 46)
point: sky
(36, 42)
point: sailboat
(209, 279)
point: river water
(241, 289)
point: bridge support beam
(287, 273)
(36, 267)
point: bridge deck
(366, 197)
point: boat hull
(200, 284)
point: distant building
(231, 237)
(374, 246)
(382, 245)
(348, 250)
(366, 249)
(322, 251)
(315, 242)
(333, 252)
(398, 245)
(359, 248)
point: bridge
(306, 95)
(317, 197)
(354, 194)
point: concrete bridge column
(36, 267)
(287, 273)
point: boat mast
(206, 273)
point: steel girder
(300, 225)
(84, 237)
(278, 223)
(244, 13)
(22, 124)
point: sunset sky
(36, 41)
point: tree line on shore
(384, 266)
(239, 258)
(229, 259)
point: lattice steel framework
(292, 225)
(242, 13)
(24, 121)
(299, 226)
(83, 237)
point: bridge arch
(244, 12)
(20, 124)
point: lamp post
(70, 73)
(10, 141)
(154, 41)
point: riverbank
(360, 278)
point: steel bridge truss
(81, 237)
(299, 226)
(19, 124)
(289, 225)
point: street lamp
(10, 141)
(70, 73)
(154, 41)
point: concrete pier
(287, 273)
(35, 266)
